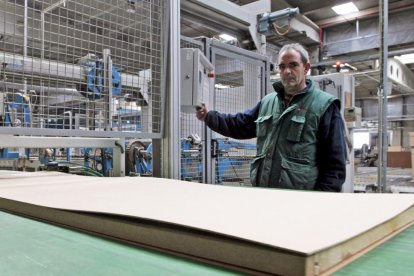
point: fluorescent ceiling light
(227, 37)
(406, 58)
(345, 8)
(221, 86)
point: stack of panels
(253, 230)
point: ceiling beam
(231, 16)
(364, 57)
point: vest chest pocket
(296, 127)
(263, 125)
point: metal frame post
(171, 167)
(382, 98)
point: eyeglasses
(291, 65)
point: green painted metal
(394, 257)
(30, 247)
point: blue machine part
(130, 119)
(47, 156)
(100, 162)
(191, 159)
(138, 158)
(107, 166)
(226, 165)
(95, 81)
(68, 154)
(225, 162)
(116, 82)
(6, 154)
(22, 105)
(144, 165)
(7, 119)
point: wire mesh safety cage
(188, 42)
(84, 65)
(192, 141)
(237, 88)
(238, 85)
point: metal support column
(118, 160)
(208, 172)
(26, 7)
(108, 111)
(171, 144)
(382, 98)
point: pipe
(42, 38)
(70, 118)
(25, 42)
(42, 20)
(108, 86)
(357, 27)
(55, 90)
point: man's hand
(201, 112)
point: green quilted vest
(287, 140)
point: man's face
(292, 71)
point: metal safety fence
(84, 68)
(240, 80)
(192, 140)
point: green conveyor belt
(394, 257)
(30, 247)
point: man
(299, 130)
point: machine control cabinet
(197, 79)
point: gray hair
(304, 55)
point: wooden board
(249, 229)
(399, 159)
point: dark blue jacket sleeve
(238, 126)
(331, 151)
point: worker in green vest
(299, 130)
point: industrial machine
(368, 156)
(138, 158)
(79, 71)
(232, 160)
(237, 82)
(15, 109)
(79, 108)
(94, 70)
(191, 158)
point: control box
(197, 79)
